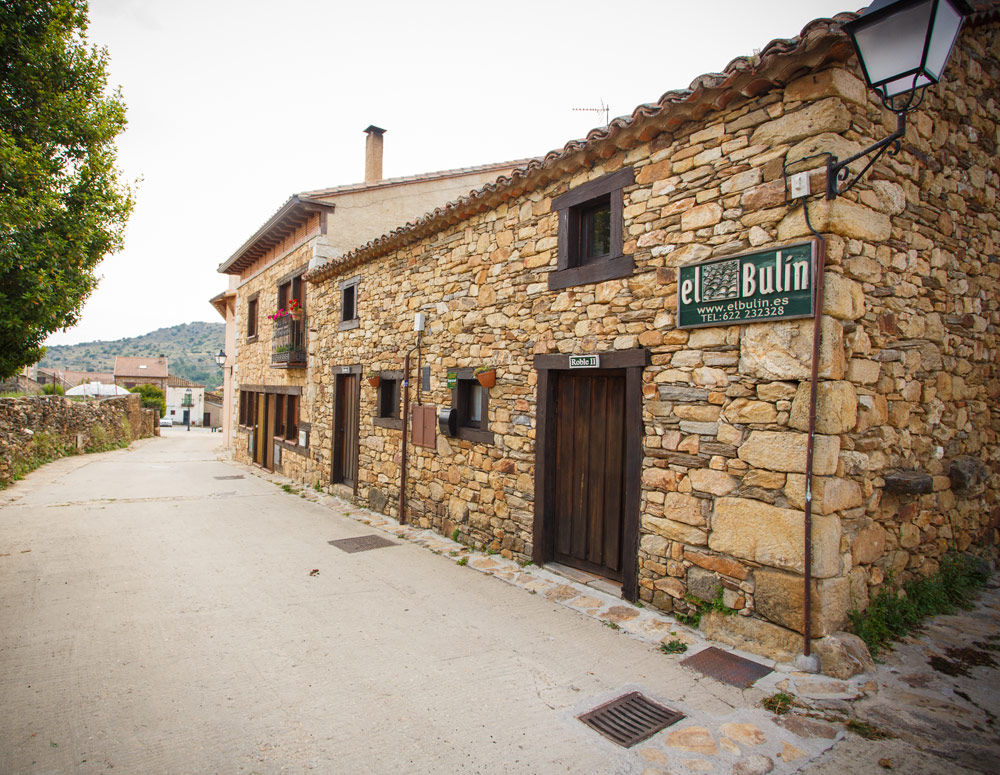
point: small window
(591, 224)
(252, 318)
(472, 403)
(349, 304)
(387, 414)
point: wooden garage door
(589, 471)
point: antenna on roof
(603, 109)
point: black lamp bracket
(837, 172)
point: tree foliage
(62, 206)
(152, 398)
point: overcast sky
(234, 106)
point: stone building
(269, 389)
(130, 372)
(672, 459)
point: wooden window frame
(572, 267)
(290, 286)
(352, 285)
(389, 380)
(479, 433)
(253, 315)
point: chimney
(373, 154)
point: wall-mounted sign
(452, 380)
(345, 369)
(585, 361)
(766, 285)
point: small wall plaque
(452, 380)
(585, 361)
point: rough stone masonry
(908, 362)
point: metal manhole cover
(237, 476)
(630, 719)
(726, 667)
(361, 543)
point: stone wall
(37, 429)
(908, 359)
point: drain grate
(726, 667)
(361, 543)
(237, 476)
(630, 719)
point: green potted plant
(373, 378)
(295, 310)
(487, 376)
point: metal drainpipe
(810, 443)
(406, 414)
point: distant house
(179, 406)
(70, 378)
(131, 372)
(213, 410)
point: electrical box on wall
(448, 421)
(425, 378)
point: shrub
(891, 614)
(53, 389)
(152, 398)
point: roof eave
(237, 262)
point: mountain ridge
(189, 348)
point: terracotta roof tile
(780, 61)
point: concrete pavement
(158, 615)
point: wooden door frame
(632, 362)
(354, 370)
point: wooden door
(259, 455)
(347, 411)
(590, 471)
(269, 423)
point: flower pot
(374, 381)
(487, 378)
(297, 315)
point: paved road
(160, 612)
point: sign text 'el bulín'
(774, 284)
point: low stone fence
(37, 429)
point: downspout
(406, 415)
(811, 440)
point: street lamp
(221, 358)
(903, 47)
(188, 404)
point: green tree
(152, 397)
(62, 206)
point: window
(252, 317)
(472, 402)
(387, 402)
(590, 232)
(290, 288)
(349, 304)
(248, 408)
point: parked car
(166, 422)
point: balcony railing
(288, 347)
